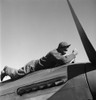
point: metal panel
(75, 89)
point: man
(53, 59)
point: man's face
(64, 50)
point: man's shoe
(3, 74)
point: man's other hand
(75, 52)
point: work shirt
(53, 59)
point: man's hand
(75, 52)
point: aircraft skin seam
(88, 81)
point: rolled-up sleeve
(67, 58)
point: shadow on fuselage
(89, 70)
(79, 68)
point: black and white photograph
(47, 49)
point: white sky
(31, 28)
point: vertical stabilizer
(91, 53)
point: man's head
(62, 47)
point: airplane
(74, 81)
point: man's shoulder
(53, 51)
(56, 54)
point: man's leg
(14, 73)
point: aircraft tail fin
(91, 53)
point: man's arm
(68, 58)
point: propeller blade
(91, 53)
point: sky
(29, 29)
